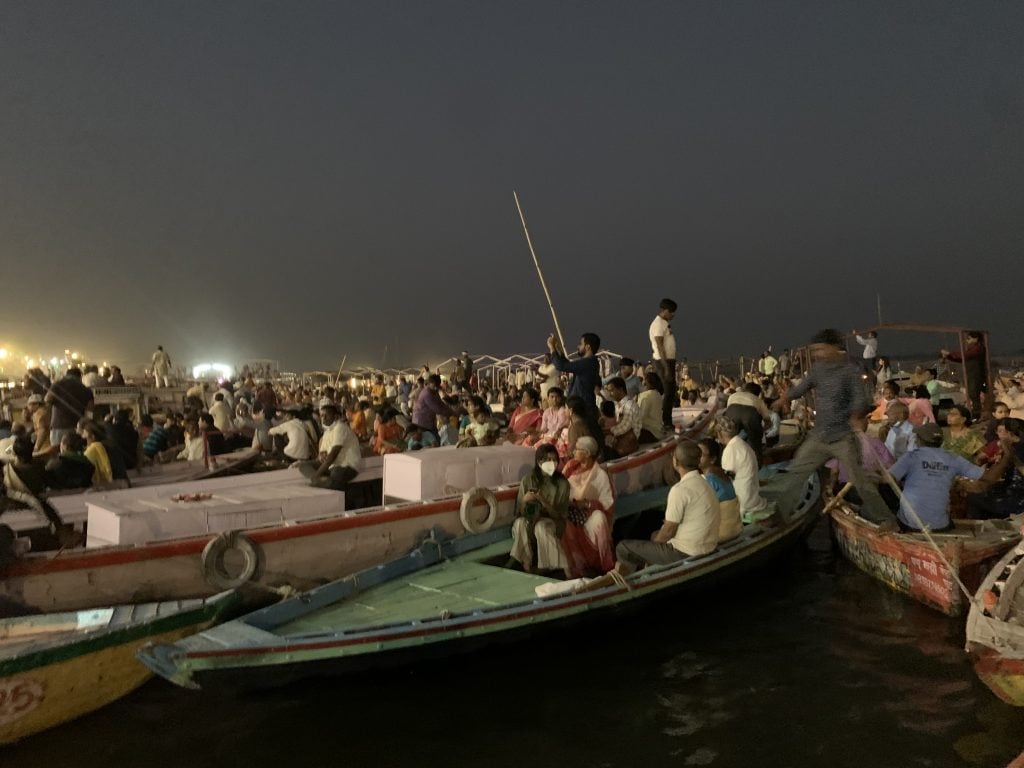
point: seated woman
(524, 423)
(541, 510)
(652, 429)
(588, 533)
(388, 433)
(554, 420)
(1005, 495)
(96, 452)
(959, 438)
(990, 453)
(730, 523)
(920, 406)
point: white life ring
(214, 570)
(469, 500)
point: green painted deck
(455, 586)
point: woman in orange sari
(524, 423)
(587, 538)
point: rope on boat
(927, 533)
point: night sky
(302, 181)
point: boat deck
(454, 586)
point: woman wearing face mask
(541, 509)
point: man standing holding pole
(839, 396)
(663, 344)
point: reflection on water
(808, 664)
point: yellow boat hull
(41, 698)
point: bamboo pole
(540, 274)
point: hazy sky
(303, 180)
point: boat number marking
(18, 697)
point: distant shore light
(204, 370)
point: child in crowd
(449, 430)
(479, 431)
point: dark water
(808, 664)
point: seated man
(627, 372)
(71, 469)
(622, 436)
(747, 408)
(291, 429)
(900, 438)
(739, 460)
(691, 519)
(339, 453)
(928, 473)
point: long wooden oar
(540, 274)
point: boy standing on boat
(839, 395)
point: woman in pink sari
(524, 423)
(587, 539)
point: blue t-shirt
(723, 488)
(929, 474)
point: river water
(808, 663)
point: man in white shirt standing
(663, 346)
(691, 519)
(870, 343)
(339, 456)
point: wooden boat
(282, 550)
(908, 563)
(995, 628)
(55, 667)
(443, 598)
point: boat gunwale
(98, 639)
(650, 580)
(71, 560)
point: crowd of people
(867, 425)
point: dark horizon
(303, 183)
